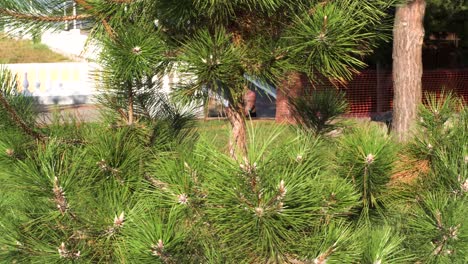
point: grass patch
(25, 51)
(217, 131)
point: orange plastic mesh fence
(371, 92)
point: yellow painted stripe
(54, 75)
(32, 78)
(66, 74)
(19, 81)
(76, 74)
(42, 78)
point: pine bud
(259, 211)
(282, 190)
(119, 220)
(182, 198)
(299, 158)
(10, 152)
(370, 159)
(64, 253)
(102, 164)
(453, 231)
(321, 36)
(160, 244)
(464, 186)
(247, 168)
(59, 197)
(136, 50)
(157, 250)
(280, 207)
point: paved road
(85, 113)
(266, 109)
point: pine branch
(18, 120)
(322, 259)
(59, 197)
(158, 250)
(17, 15)
(157, 183)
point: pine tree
(107, 193)
(216, 44)
(143, 187)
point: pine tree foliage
(30, 16)
(385, 245)
(317, 111)
(366, 158)
(438, 229)
(337, 242)
(67, 198)
(9, 92)
(443, 122)
(113, 197)
(216, 44)
(143, 187)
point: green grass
(217, 131)
(25, 51)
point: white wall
(56, 83)
(64, 83)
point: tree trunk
(238, 139)
(130, 106)
(291, 87)
(408, 34)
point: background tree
(408, 36)
(414, 23)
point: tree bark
(130, 106)
(292, 86)
(238, 139)
(408, 34)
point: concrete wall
(68, 83)
(56, 83)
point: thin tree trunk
(408, 34)
(130, 106)
(238, 139)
